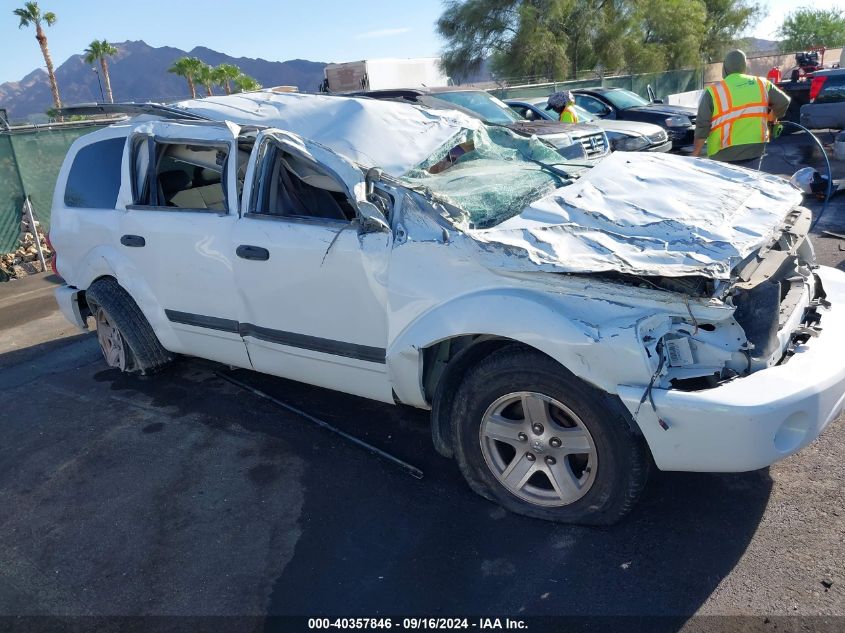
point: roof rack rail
(130, 108)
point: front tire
(531, 436)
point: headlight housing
(678, 120)
(630, 143)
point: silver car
(626, 136)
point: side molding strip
(280, 337)
(198, 320)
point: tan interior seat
(207, 197)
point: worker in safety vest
(564, 104)
(734, 114)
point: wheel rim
(538, 449)
(111, 342)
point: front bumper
(681, 136)
(665, 147)
(757, 420)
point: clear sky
(319, 30)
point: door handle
(245, 251)
(133, 240)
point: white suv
(567, 325)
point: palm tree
(99, 50)
(205, 76)
(31, 14)
(189, 68)
(245, 83)
(225, 74)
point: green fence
(30, 159)
(663, 84)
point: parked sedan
(624, 105)
(626, 136)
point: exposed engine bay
(776, 298)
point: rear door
(312, 285)
(180, 197)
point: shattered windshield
(491, 174)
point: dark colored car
(571, 140)
(826, 108)
(617, 103)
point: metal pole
(102, 94)
(27, 207)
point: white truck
(567, 324)
(383, 74)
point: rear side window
(180, 176)
(94, 178)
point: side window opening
(293, 187)
(94, 178)
(180, 175)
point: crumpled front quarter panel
(439, 290)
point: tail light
(816, 86)
(53, 253)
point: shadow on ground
(377, 541)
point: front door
(311, 284)
(180, 205)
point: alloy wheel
(538, 449)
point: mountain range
(139, 73)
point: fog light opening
(792, 432)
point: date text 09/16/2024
(431, 624)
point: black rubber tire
(623, 457)
(145, 355)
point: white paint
(426, 281)
(372, 133)
(757, 420)
(651, 214)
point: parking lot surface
(181, 494)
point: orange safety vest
(740, 112)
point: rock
(827, 583)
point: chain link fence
(30, 159)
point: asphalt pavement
(181, 494)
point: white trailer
(384, 74)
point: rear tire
(539, 441)
(126, 338)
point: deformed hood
(648, 214)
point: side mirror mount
(371, 218)
(374, 174)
